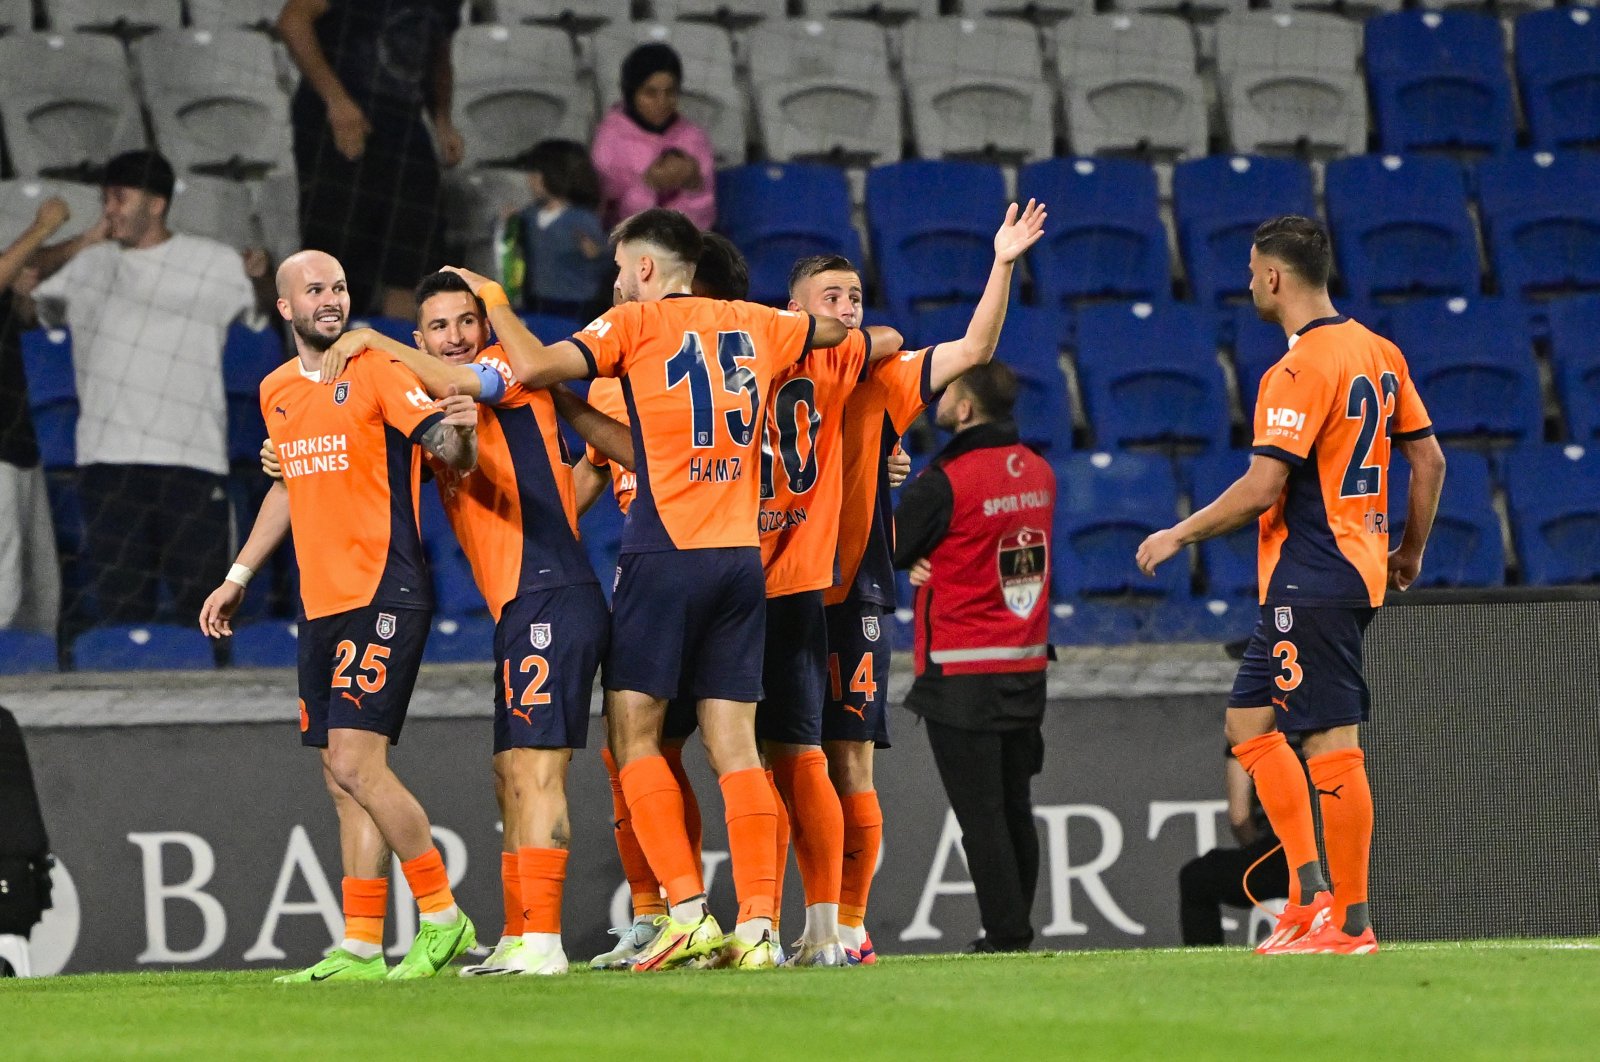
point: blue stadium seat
(134, 647)
(1092, 623)
(1466, 547)
(1228, 562)
(1105, 238)
(454, 592)
(1095, 551)
(779, 213)
(1218, 202)
(932, 226)
(438, 538)
(1257, 346)
(1088, 483)
(56, 427)
(47, 360)
(1554, 497)
(1401, 227)
(460, 640)
(1030, 344)
(1575, 357)
(1541, 215)
(1558, 71)
(271, 643)
(24, 652)
(550, 328)
(1438, 80)
(396, 328)
(248, 356)
(1150, 376)
(1216, 620)
(1472, 362)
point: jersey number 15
(688, 365)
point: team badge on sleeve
(539, 635)
(386, 625)
(1283, 619)
(869, 628)
(341, 391)
(1024, 559)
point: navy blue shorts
(547, 648)
(357, 671)
(794, 670)
(857, 704)
(1306, 663)
(689, 622)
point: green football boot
(436, 947)
(339, 965)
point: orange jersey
(801, 474)
(352, 470)
(895, 392)
(515, 515)
(695, 374)
(606, 396)
(1330, 409)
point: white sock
(542, 943)
(852, 937)
(442, 918)
(750, 932)
(691, 910)
(822, 923)
(360, 948)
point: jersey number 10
(1364, 404)
(689, 364)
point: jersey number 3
(689, 365)
(1365, 404)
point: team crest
(539, 635)
(1024, 566)
(341, 391)
(385, 625)
(1283, 619)
(869, 628)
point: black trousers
(1208, 882)
(150, 523)
(988, 776)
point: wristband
(239, 574)
(493, 295)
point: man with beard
(351, 473)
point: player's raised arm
(454, 440)
(827, 332)
(1018, 232)
(270, 529)
(606, 434)
(1427, 479)
(883, 342)
(532, 362)
(1245, 500)
(439, 377)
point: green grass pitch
(1501, 1000)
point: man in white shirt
(149, 311)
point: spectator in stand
(647, 153)
(369, 172)
(30, 579)
(1216, 879)
(568, 267)
(149, 311)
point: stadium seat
(215, 101)
(823, 91)
(47, 362)
(124, 15)
(778, 213)
(1257, 346)
(1472, 362)
(454, 592)
(1095, 551)
(932, 226)
(475, 204)
(1541, 214)
(1092, 482)
(1438, 81)
(1218, 202)
(234, 14)
(889, 11)
(551, 328)
(977, 89)
(460, 640)
(24, 652)
(1150, 377)
(248, 355)
(735, 11)
(396, 328)
(135, 647)
(709, 95)
(1105, 238)
(20, 199)
(271, 643)
(67, 102)
(1401, 226)
(586, 13)
(216, 208)
(1089, 623)
(56, 427)
(1466, 546)
(1030, 344)
(1291, 82)
(1553, 494)
(1229, 561)
(1129, 83)
(1575, 357)
(1042, 11)
(516, 86)
(1558, 72)
(1216, 621)
(16, 16)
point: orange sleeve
(1295, 398)
(1411, 420)
(400, 397)
(516, 394)
(608, 341)
(787, 333)
(907, 377)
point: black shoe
(987, 946)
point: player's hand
(1157, 550)
(269, 460)
(350, 127)
(219, 609)
(347, 346)
(452, 149)
(460, 411)
(921, 572)
(52, 214)
(1403, 570)
(256, 262)
(1017, 234)
(475, 281)
(899, 465)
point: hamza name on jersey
(715, 470)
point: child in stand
(566, 268)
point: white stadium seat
(739, 10)
(710, 96)
(859, 8)
(1130, 85)
(215, 207)
(1290, 80)
(66, 100)
(516, 86)
(977, 86)
(510, 12)
(823, 89)
(20, 199)
(233, 14)
(105, 14)
(16, 16)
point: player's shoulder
(287, 374)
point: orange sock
(752, 839)
(642, 884)
(691, 804)
(782, 852)
(818, 822)
(544, 872)
(429, 882)
(1340, 778)
(511, 894)
(863, 833)
(1281, 787)
(655, 804)
(365, 902)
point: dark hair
(567, 171)
(646, 61)
(992, 387)
(811, 265)
(441, 283)
(721, 272)
(667, 229)
(1299, 243)
(147, 171)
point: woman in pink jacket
(649, 155)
